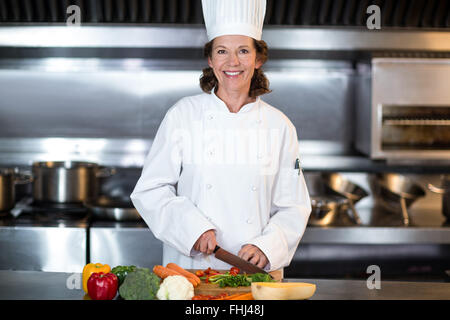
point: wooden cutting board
(214, 289)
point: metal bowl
(113, 208)
(326, 210)
(396, 192)
(338, 185)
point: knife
(234, 260)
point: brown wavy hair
(259, 84)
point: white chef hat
(228, 17)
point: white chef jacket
(209, 168)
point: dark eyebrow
(240, 47)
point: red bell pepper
(102, 286)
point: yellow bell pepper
(90, 268)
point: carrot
(243, 296)
(164, 272)
(238, 296)
(183, 272)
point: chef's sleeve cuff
(275, 249)
(197, 235)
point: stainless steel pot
(8, 179)
(396, 192)
(116, 208)
(67, 181)
(444, 189)
(339, 185)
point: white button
(208, 186)
(249, 221)
(258, 121)
(254, 188)
(211, 152)
(210, 117)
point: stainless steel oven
(408, 115)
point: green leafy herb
(229, 280)
(261, 277)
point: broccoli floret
(141, 284)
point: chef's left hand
(253, 255)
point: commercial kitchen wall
(94, 98)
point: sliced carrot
(164, 272)
(183, 272)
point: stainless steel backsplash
(123, 101)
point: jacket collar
(222, 107)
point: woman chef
(222, 167)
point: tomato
(234, 271)
(199, 273)
(220, 296)
(211, 272)
(209, 297)
(202, 297)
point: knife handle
(216, 248)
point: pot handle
(355, 214)
(435, 189)
(404, 212)
(105, 172)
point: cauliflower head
(175, 288)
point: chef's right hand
(206, 243)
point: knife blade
(234, 260)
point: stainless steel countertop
(35, 285)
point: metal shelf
(357, 235)
(376, 235)
(194, 36)
(417, 122)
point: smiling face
(234, 60)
